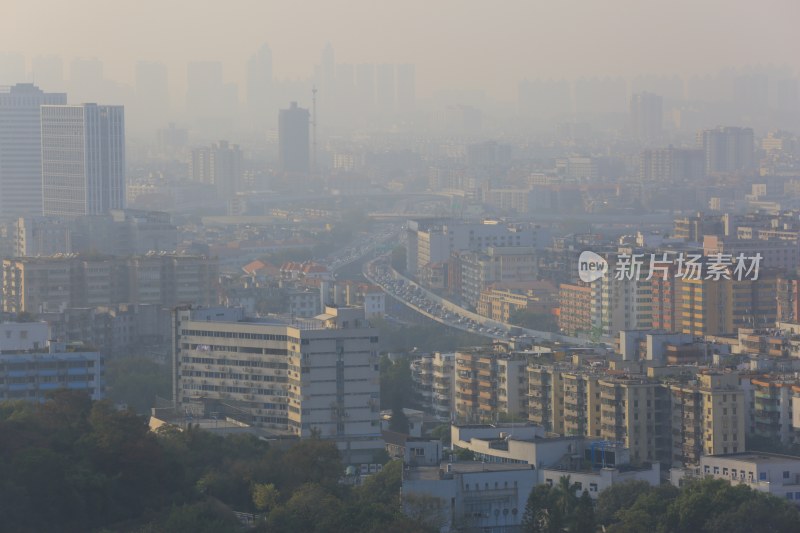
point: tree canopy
(705, 505)
(71, 464)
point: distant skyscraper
(293, 141)
(600, 95)
(86, 79)
(259, 87)
(385, 88)
(788, 96)
(365, 84)
(220, 164)
(203, 86)
(208, 98)
(200, 165)
(646, 116)
(48, 72)
(328, 70)
(226, 168)
(152, 95)
(21, 148)
(728, 150)
(171, 139)
(83, 159)
(545, 98)
(671, 164)
(406, 88)
(12, 68)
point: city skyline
(588, 40)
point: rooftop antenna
(314, 129)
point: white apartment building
(294, 376)
(490, 493)
(776, 474)
(431, 242)
(434, 383)
(621, 304)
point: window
(762, 476)
(716, 470)
(592, 487)
(785, 474)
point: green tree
(313, 461)
(760, 512)
(542, 513)
(426, 510)
(583, 521)
(265, 496)
(532, 320)
(564, 498)
(463, 454)
(208, 516)
(398, 258)
(136, 381)
(312, 508)
(397, 387)
(383, 486)
(441, 432)
(618, 496)
(647, 511)
(399, 421)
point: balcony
(765, 395)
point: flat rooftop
(431, 473)
(757, 457)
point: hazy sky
(485, 44)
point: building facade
(21, 148)
(52, 284)
(83, 159)
(297, 377)
(293, 139)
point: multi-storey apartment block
(434, 383)
(298, 377)
(51, 284)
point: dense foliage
(136, 381)
(397, 387)
(707, 505)
(536, 321)
(551, 509)
(702, 506)
(71, 464)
